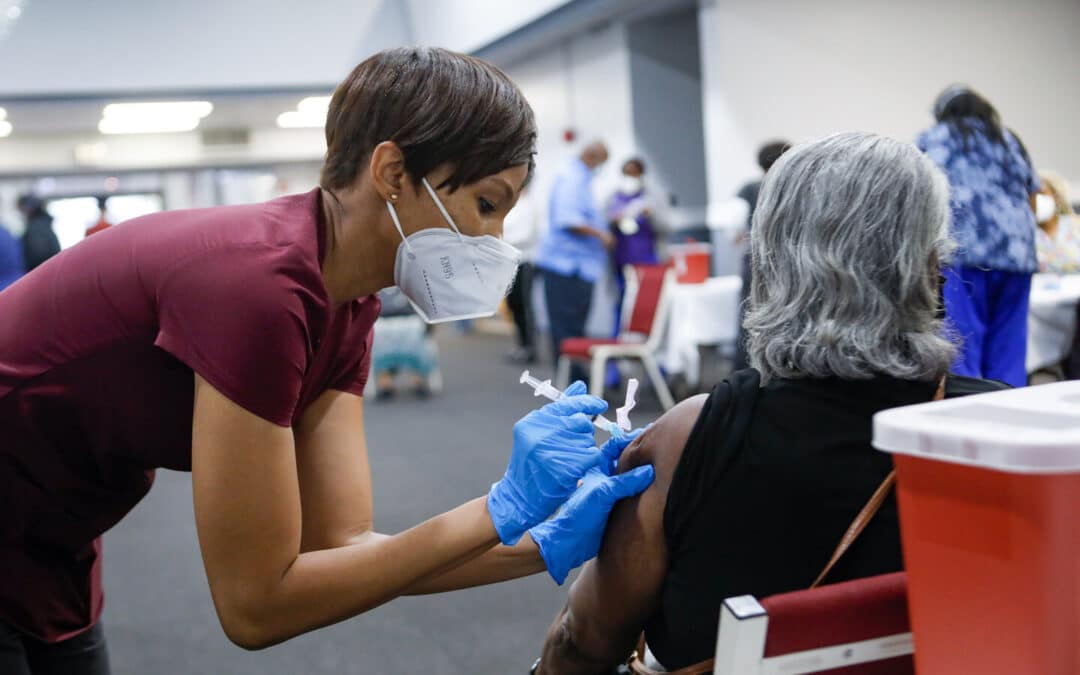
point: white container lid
(1031, 430)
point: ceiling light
(310, 113)
(5, 128)
(153, 117)
(3, 114)
(314, 104)
(110, 125)
(294, 119)
(196, 109)
(14, 12)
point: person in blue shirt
(574, 252)
(11, 259)
(993, 185)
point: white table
(1051, 319)
(701, 314)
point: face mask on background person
(630, 185)
(1045, 208)
(448, 276)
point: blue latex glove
(554, 447)
(573, 536)
(613, 449)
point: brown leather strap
(637, 659)
(857, 526)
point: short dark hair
(770, 152)
(636, 161)
(438, 106)
(958, 105)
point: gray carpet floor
(427, 456)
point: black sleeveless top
(770, 479)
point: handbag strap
(873, 505)
(858, 525)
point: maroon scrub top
(97, 350)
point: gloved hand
(613, 449)
(553, 449)
(573, 536)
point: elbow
(564, 650)
(248, 638)
(248, 635)
(247, 624)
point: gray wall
(665, 81)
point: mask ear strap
(397, 224)
(442, 209)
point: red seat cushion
(840, 613)
(578, 347)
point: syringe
(548, 390)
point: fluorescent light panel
(314, 104)
(310, 113)
(153, 117)
(294, 119)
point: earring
(393, 198)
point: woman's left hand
(573, 536)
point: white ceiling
(60, 48)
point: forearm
(587, 231)
(324, 587)
(501, 563)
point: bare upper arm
(247, 509)
(617, 592)
(334, 474)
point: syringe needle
(549, 391)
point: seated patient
(757, 482)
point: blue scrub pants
(989, 310)
(568, 300)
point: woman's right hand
(554, 447)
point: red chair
(856, 627)
(645, 313)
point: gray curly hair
(847, 237)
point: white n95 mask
(448, 276)
(1045, 208)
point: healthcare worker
(235, 342)
(993, 222)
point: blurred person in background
(767, 156)
(102, 221)
(521, 230)
(11, 258)
(993, 192)
(758, 481)
(402, 345)
(1057, 241)
(574, 253)
(631, 215)
(39, 240)
(235, 343)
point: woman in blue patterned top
(993, 185)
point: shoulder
(939, 134)
(664, 443)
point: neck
(358, 262)
(1050, 227)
